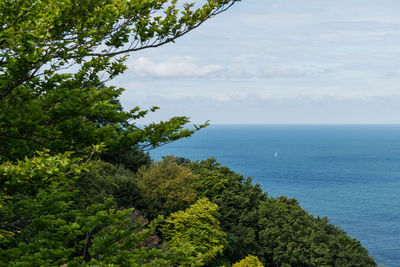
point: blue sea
(349, 173)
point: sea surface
(349, 173)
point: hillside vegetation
(77, 187)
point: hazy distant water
(349, 173)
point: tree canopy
(57, 61)
(197, 229)
(165, 187)
(44, 224)
(276, 230)
(56, 58)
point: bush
(249, 261)
(238, 200)
(289, 236)
(44, 220)
(277, 230)
(165, 187)
(196, 228)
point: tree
(291, 237)
(249, 261)
(55, 60)
(238, 200)
(46, 225)
(47, 220)
(276, 230)
(165, 187)
(197, 229)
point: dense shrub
(45, 221)
(249, 261)
(196, 229)
(277, 230)
(238, 200)
(165, 187)
(289, 236)
(104, 180)
(129, 157)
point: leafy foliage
(165, 187)
(129, 157)
(197, 229)
(124, 187)
(291, 237)
(249, 261)
(238, 200)
(55, 60)
(278, 231)
(46, 221)
(40, 209)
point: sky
(277, 62)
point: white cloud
(174, 67)
(277, 50)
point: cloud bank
(173, 67)
(279, 52)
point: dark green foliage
(47, 220)
(278, 231)
(125, 190)
(42, 208)
(289, 236)
(97, 184)
(130, 157)
(104, 180)
(238, 200)
(55, 60)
